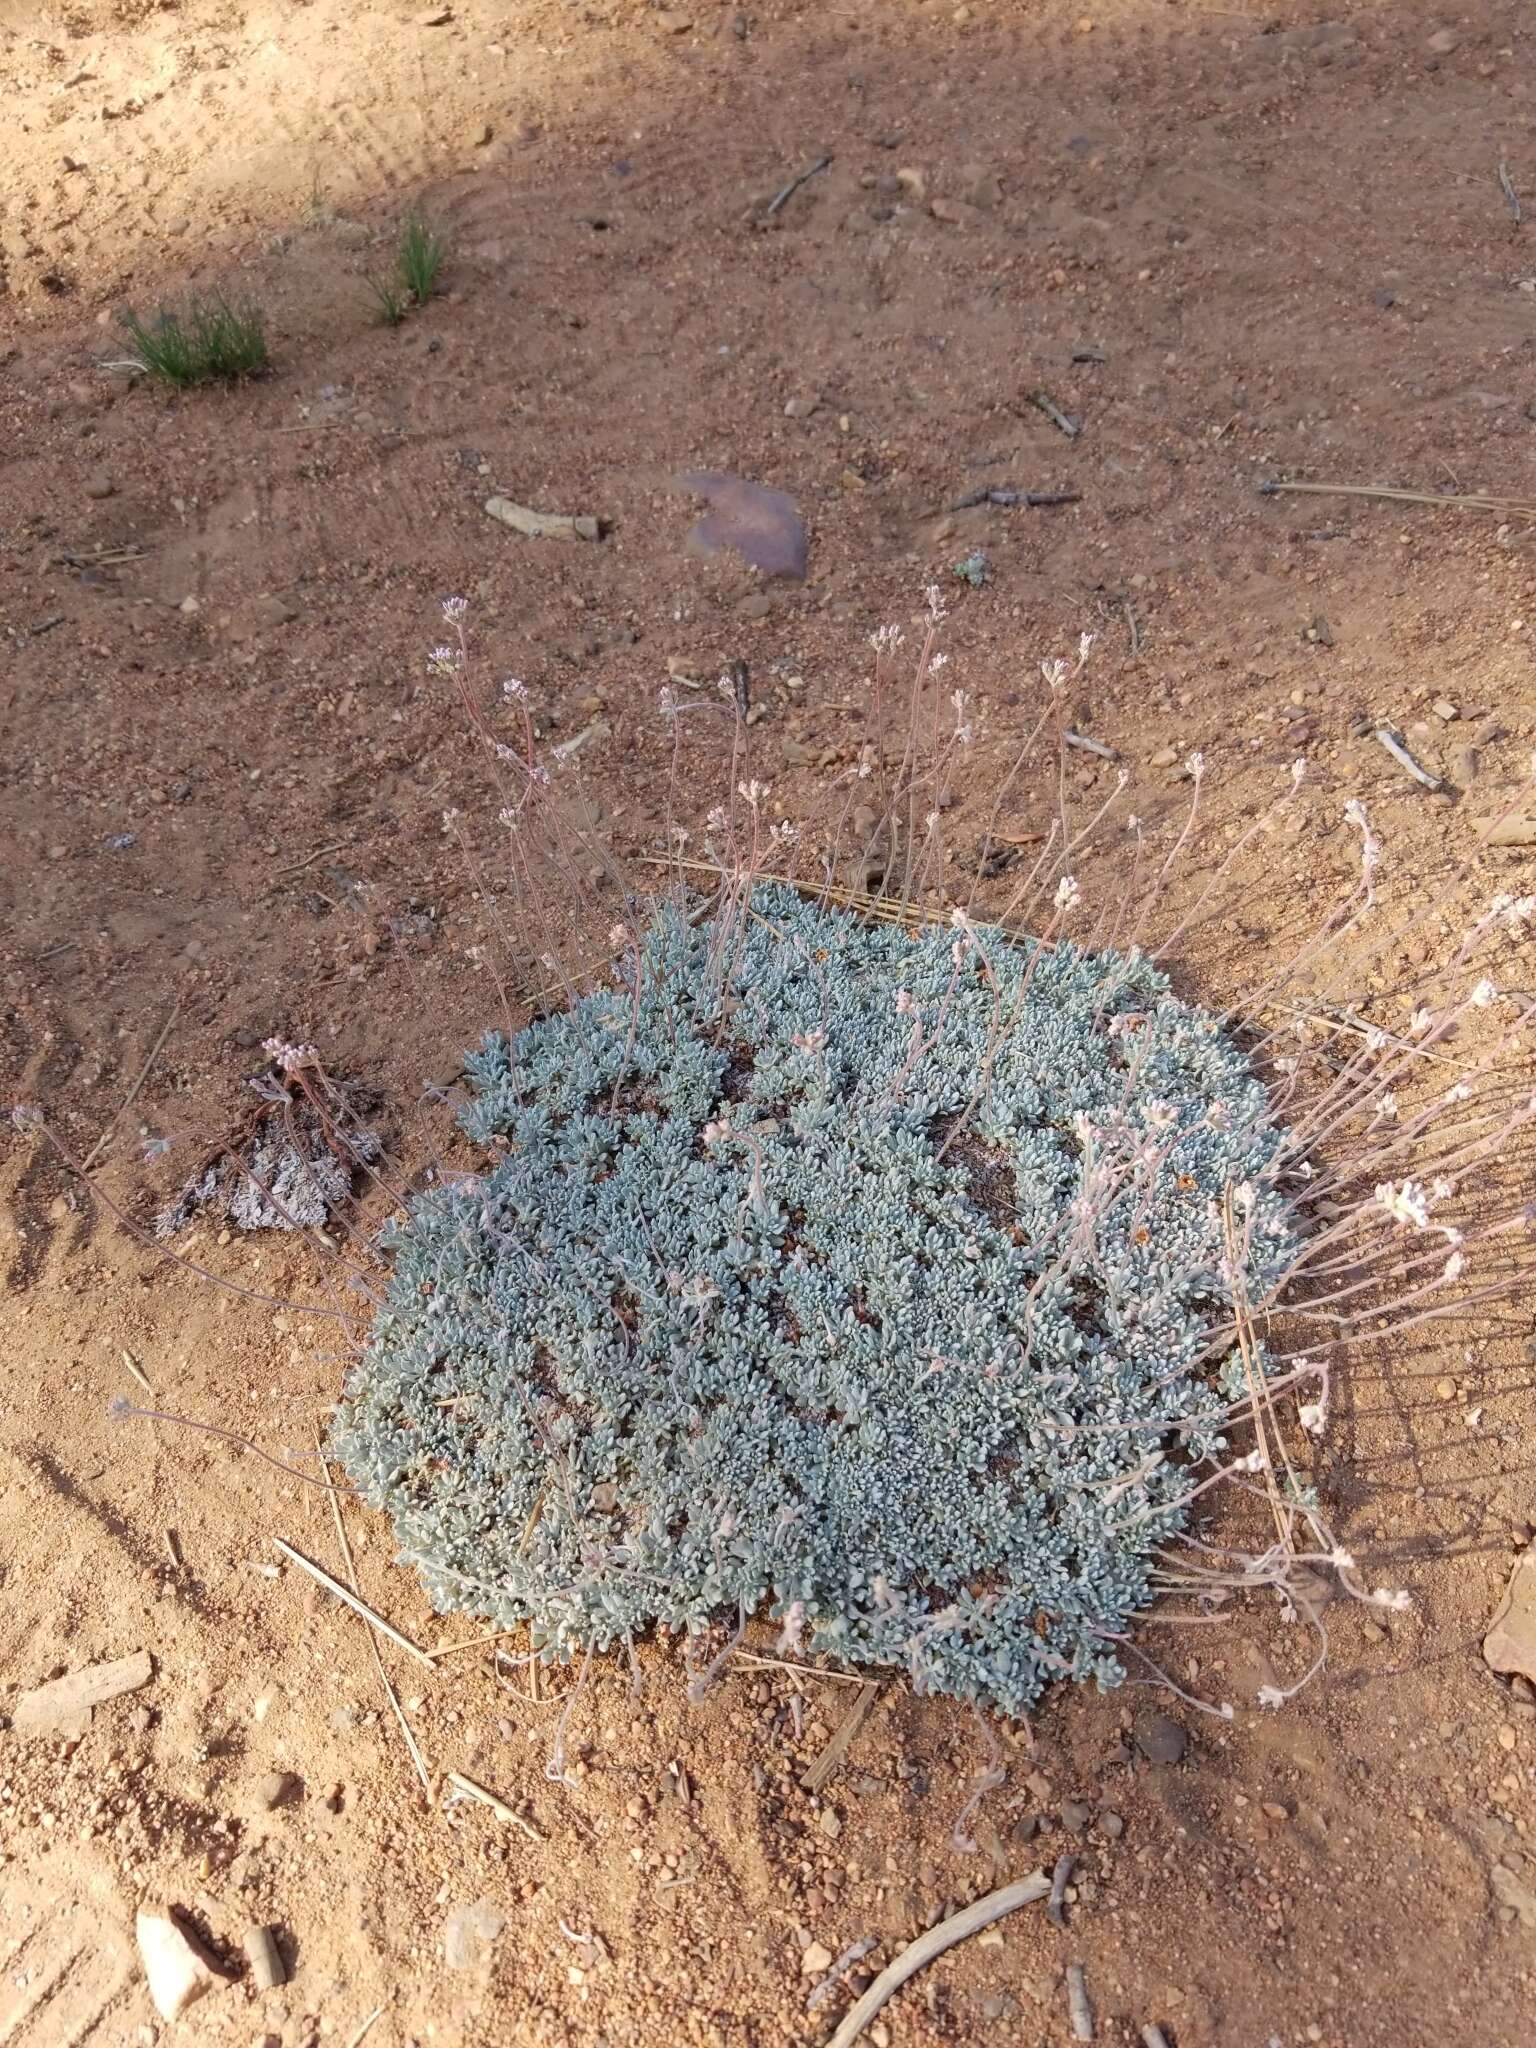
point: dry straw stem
(127, 1102)
(350, 1562)
(1471, 501)
(817, 1773)
(354, 2039)
(499, 1807)
(350, 1599)
(918, 1954)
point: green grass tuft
(393, 301)
(210, 342)
(420, 259)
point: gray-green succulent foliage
(859, 1278)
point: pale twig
(350, 1599)
(1153, 2037)
(499, 1807)
(378, 1662)
(1506, 186)
(1474, 501)
(362, 2030)
(752, 1658)
(154, 1053)
(1077, 2003)
(474, 1643)
(917, 1954)
(854, 1953)
(310, 858)
(1400, 754)
(138, 1371)
(787, 192)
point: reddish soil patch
(1228, 245)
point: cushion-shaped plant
(869, 1279)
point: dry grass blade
(499, 1807)
(883, 909)
(137, 1371)
(1472, 501)
(127, 1102)
(345, 1546)
(355, 2038)
(818, 1772)
(755, 1662)
(350, 1599)
(497, 1635)
(918, 1954)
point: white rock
(468, 1933)
(175, 1965)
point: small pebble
(100, 486)
(1112, 1825)
(1159, 1737)
(816, 1960)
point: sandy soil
(1231, 244)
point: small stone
(1514, 1894)
(879, 2035)
(189, 605)
(802, 408)
(816, 1960)
(1510, 1644)
(1159, 1737)
(1507, 1737)
(981, 187)
(1445, 1389)
(1112, 1825)
(177, 1970)
(1442, 42)
(674, 21)
(468, 1933)
(1444, 709)
(757, 604)
(1075, 1816)
(276, 1789)
(100, 485)
(912, 180)
(1165, 757)
(829, 1822)
(1273, 1810)
(956, 213)
(57, 852)
(271, 610)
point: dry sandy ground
(1231, 244)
